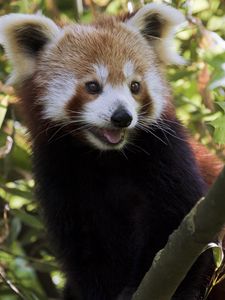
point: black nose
(121, 118)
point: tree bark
(200, 227)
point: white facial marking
(157, 91)
(99, 111)
(102, 72)
(128, 69)
(60, 90)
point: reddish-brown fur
(210, 166)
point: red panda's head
(104, 79)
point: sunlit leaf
(219, 129)
(217, 253)
(221, 105)
(3, 109)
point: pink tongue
(112, 135)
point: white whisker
(138, 147)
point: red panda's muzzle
(113, 136)
(109, 136)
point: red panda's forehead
(83, 47)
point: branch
(204, 222)
(11, 286)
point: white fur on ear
(157, 23)
(23, 36)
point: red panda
(115, 171)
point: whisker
(146, 123)
(74, 112)
(86, 126)
(146, 128)
(55, 133)
(150, 131)
(144, 105)
(123, 153)
(138, 147)
(47, 128)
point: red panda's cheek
(76, 104)
(57, 88)
(145, 102)
(156, 92)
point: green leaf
(30, 220)
(44, 266)
(217, 83)
(15, 229)
(17, 192)
(221, 105)
(219, 129)
(217, 253)
(218, 256)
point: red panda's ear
(157, 23)
(23, 37)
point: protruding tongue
(113, 136)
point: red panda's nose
(121, 118)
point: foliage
(27, 266)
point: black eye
(135, 87)
(93, 87)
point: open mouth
(108, 135)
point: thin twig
(11, 286)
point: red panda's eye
(135, 87)
(93, 87)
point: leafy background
(27, 266)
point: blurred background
(28, 270)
